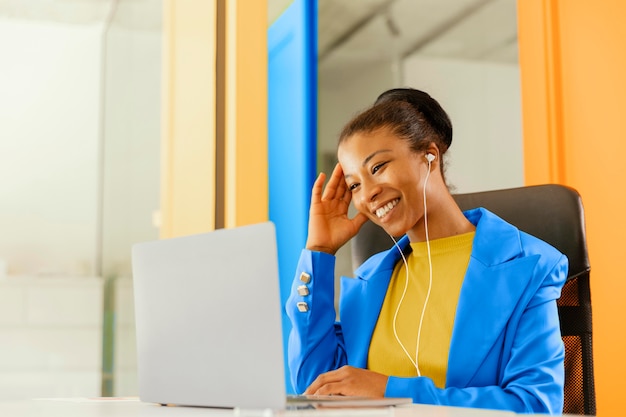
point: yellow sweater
(450, 257)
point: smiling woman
(408, 320)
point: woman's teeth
(381, 212)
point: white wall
(51, 151)
(341, 94)
(49, 138)
(51, 327)
(50, 337)
(484, 103)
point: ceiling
(350, 32)
(133, 14)
(358, 32)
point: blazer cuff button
(303, 290)
(304, 277)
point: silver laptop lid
(208, 319)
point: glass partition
(130, 199)
(79, 168)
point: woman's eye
(353, 187)
(377, 167)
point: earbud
(430, 157)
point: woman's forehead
(370, 141)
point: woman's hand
(348, 380)
(329, 225)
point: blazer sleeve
(532, 375)
(315, 342)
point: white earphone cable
(406, 284)
(430, 269)
(395, 316)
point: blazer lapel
(362, 299)
(496, 278)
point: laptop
(208, 323)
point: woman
(461, 311)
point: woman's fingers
(342, 187)
(318, 186)
(332, 382)
(321, 381)
(336, 186)
(348, 380)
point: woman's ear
(432, 152)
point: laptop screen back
(208, 319)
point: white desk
(134, 408)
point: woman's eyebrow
(369, 158)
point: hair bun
(422, 103)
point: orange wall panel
(247, 199)
(192, 154)
(575, 52)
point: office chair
(553, 213)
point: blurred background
(80, 149)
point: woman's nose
(370, 191)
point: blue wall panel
(292, 113)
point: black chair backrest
(553, 213)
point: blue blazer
(506, 350)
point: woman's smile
(384, 210)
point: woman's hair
(425, 105)
(409, 114)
